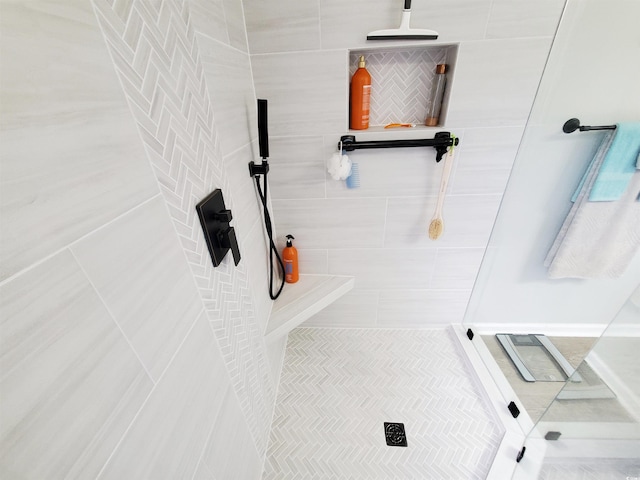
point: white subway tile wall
(356, 310)
(243, 461)
(331, 223)
(313, 261)
(484, 164)
(122, 261)
(120, 342)
(169, 434)
(306, 91)
(71, 384)
(58, 185)
(231, 90)
(378, 232)
(282, 26)
(417, 308)
(521, 18)
(496, 81)
(297, 166)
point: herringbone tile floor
(339, 386)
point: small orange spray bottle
(290, 257)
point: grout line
(146, 400)
(278, 383)
(368, 133)
(435, 326)
(173, 222)
(246, 30)
(395, 247)
(320, 24)
(231, 387)
(390, 197)
(48, 257)
(237, 150)
(210, 434)
(486, 25)
(299, 52)
(226, 25)
(384, 226)
(216, 40)
(433, 270)
(208, 471)
(112, 315)
(324, 168)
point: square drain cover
(394, 433)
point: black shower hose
(272, 246)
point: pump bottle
(290, 257)
(360, 97)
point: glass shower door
(593, 424)
(513, 293)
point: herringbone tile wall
(154, 49)
(401, 83)
(339, 386)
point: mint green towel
(619, 164)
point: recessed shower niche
(402, 80)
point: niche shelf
(300, 301)
(401, 81)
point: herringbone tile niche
(401, 82)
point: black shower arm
(441, 141)
(573, 124)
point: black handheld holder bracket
(441, 142)
(258, 168)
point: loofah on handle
(339, 166)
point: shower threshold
(537, 359)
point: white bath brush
(436, 227)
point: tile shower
(152, 358)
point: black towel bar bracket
(573, 124)
(441, 142)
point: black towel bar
(440, 142)
(573, 124)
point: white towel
(597, 239)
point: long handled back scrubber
(436, 227)
(404, 32)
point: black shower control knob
(230, 241)
(224, 216)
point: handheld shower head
(263, 132)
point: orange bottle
(290, 257)
(360, 97)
